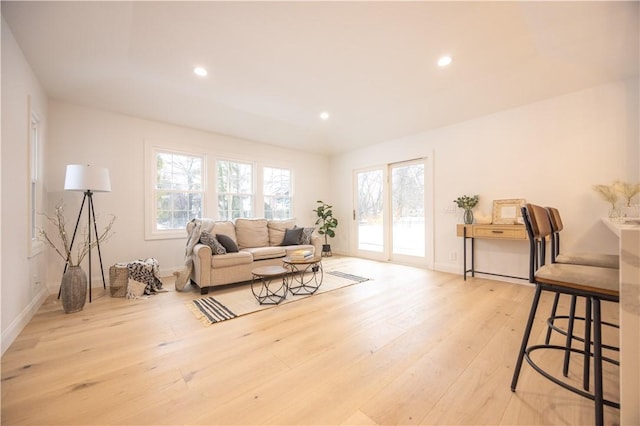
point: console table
(493, 232)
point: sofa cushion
(231, 259)
(211, 241)
(305, 238)
(277, 229)
(220, 227)
(292, 236)
(261, 253)
(252, 233)
(227, 242)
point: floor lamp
(88, 179)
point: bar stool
(586, 259)
(595, 283)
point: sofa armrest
(201, 265)
(317, 242)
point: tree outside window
(277, 193)
(178, 190)
(235, 190)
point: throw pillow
(227, 242)
(208, 239)
(292, 237)
(305, 238)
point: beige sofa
(259, 243)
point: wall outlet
(453, 256)
(450, 209)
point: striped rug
(212, 311)
(348, 276)
(237, 299)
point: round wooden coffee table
(306, 274)
(269, 284)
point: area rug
(238, 300)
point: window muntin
(178, 190)
(235, 190)
(276, 192)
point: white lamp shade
(87, 178)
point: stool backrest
(540, 223)
(538, 227)
(556, 227)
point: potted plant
(467, 202)
(327, 223)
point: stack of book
(301, 255)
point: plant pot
(73, 289)
(326, 250)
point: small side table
(299, 282)
(266, 285)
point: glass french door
(370, 213)
(390, 212)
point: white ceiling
(274, 66)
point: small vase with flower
(467, 203)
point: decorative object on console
(611, 194)
(608, 194)
(327, 223)
(507, 212)
(467, 203)
(482, 219)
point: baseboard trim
(15, 328)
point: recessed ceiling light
(200, 71)
(444, 61)
(324, 115)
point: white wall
(80, 135)
(549, 152)
(20, 271)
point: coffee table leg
(300, 284)
(265, 290)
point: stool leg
(569, 341)
(587, 344)
(525, 337)
(597, 362)
(554, 308)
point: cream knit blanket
(196, 226)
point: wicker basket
(118, 279)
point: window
(35, 185)
(235, 190)
(277, 193)
(178, 193)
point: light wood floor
(409, 347)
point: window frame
(151, 154)
(35, 184)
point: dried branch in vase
(607, 193)
(627, 190)
(83, 247)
